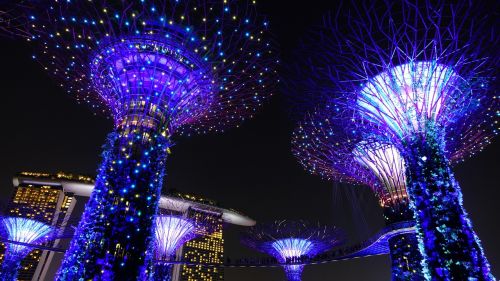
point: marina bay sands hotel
(56, 198)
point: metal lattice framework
(397, 67)
(13, 18)
(159, 69)
(419, 76)
(25, 231)
(172, 231)
(199, 65)
(292, 242)
(331, 150)
(325, 147)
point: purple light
(161, 70)
(292, 247)
(24, 231)
(407, 97)
(292, 243)
(150, 79)
(386, 163)
(171, 233)
(198, 71)
(20, 230)
(418, 76)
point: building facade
(55, 198)
(43, 197)
(207, 248)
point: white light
(386, 163)
(406, 97)
(171, 233)
(24, 231)
(292, 247)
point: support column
(113, 239)
(450, 247)
(10, 266)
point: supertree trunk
(10, 267)
(406, 258)
(113, 240)
(163, 272)
(451, 249)
(294, 272)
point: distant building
(44, 197)
(57, 197)
(208, 248)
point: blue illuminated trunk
(114, 237)
(451, 249)
(406, 259)
(294, 272)
(10, 267)
(163, 272)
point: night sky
(250, 169)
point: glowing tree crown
(283, 238)
(188, 66)
(386, 163)
(171, 233)
(419, 75)
(24, 230)
(292, 247)
(287, 240)
(335, 151)
(400, 68)
(409, 96)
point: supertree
(16, 233)
(419, 75)
(12, 20)
(161, 69)
(171, 232)
(329, 149)
(292, 243)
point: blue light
(20, 230)
(25, 231)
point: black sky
(250, 169)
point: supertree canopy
(292, 243)
(12, 17)
(172, 231)
(160, 69)
(330, 149)
(16, 233)
(420, 76)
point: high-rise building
(208, 247)
(54, 198)
(48, 198)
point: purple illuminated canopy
(331, 150)
(405, 68)
(24, 230)
(292, 241)
(420, 78)
(171, 233)
(18, 234)
(160, 69)
(191, 66)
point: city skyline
(51, 198)
(60, 135)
